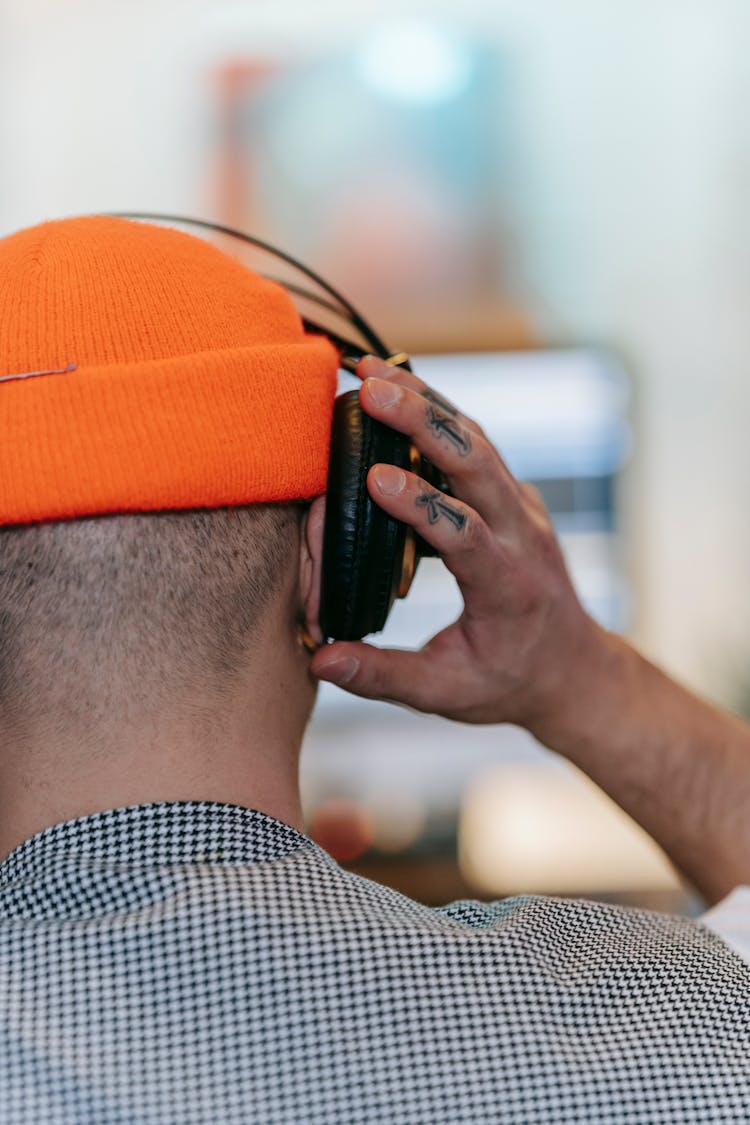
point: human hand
(523, 647)
(524, 651)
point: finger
(373, 367)
(458, 533)
(376, 673)
(473, 467)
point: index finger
(473, 468)
(373, 367)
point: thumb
(374, 673)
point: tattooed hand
(523, 650)
(523, 642)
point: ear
(311, 567)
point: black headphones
(369, 558)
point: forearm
(676, 764)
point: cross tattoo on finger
(436, 506)
(444, 426)
(441, 403)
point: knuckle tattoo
(441, 403)
(445, 426)
(437, 507)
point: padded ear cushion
(362, 546)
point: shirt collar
(167, 833)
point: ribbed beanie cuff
(194, 384)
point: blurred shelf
(487, 325)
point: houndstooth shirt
(192, 962)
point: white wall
(637, 230)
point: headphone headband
(343, 308)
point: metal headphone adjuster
(350, 361)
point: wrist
(590, 693)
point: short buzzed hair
(92, 610)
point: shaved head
(99, 614)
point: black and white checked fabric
(197, 962)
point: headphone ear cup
(363, 547)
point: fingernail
(377, 366)
(384, 394)
(339, 671)
(389, 479)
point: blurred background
(546, 204)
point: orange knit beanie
(190, 381)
